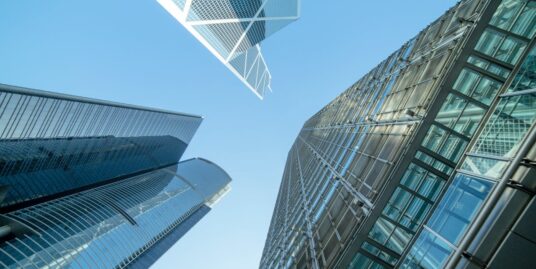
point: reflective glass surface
(517, 16)
(52, 143)
(525, 79)
(510, 122)
(111, 226)
(477, 86)
(27, 113)
(448, 223)
(500, 46)
(459, 206)
(35, 168)
(428, 252)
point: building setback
(232, 31)
(428, 161)
(93, 184)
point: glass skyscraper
(233, 29)
(428, 161)
(93, 184)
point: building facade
(233, 29)
(93, 184)
(428, 161)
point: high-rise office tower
(233, 29)
(93, 184)
(428, 161)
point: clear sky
(134, 52)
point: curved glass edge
(207, 178)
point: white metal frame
(259, 62)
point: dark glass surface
(36, 168)
(52, 144)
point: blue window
(459, 206)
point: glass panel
(378, 253)
(483, 166)
(434, 138)
(397, 242)
(510, 50)
(506, 14)
(486, 90)
(451, 110)
(466, 81)
(476, 85)
(413, 176)
(396, 204)
(363, 262)
(491, 67)
(489, 42)
(510, 122)
(469, 120)
(525, 79)
(525, 24)
(381, 230)
(453, 148)
(440, 166)
(428, 252)
(431, 186)
(416, 211)
(459, 206)
(500, 46)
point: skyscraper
(93, 184)
(428, 161)
(233, 29)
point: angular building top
(86, 183)
(233, 29)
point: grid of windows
(512, 116)
(348, 150)
(390, 123)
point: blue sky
(134, 52)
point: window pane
(434, 138)
(453, 148)
(506, 14)
(466, 81)
(525, 79)
(459, 206)
(500, 46)
(507, 127)
(486, 90)
(489, 42)
(484, 166)
(428, 252)
(451, 110)
(413, 176)
(486, 65)
(381, 231)
(510, 50)
(431, 186)
(525, 24)
(469, 120)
